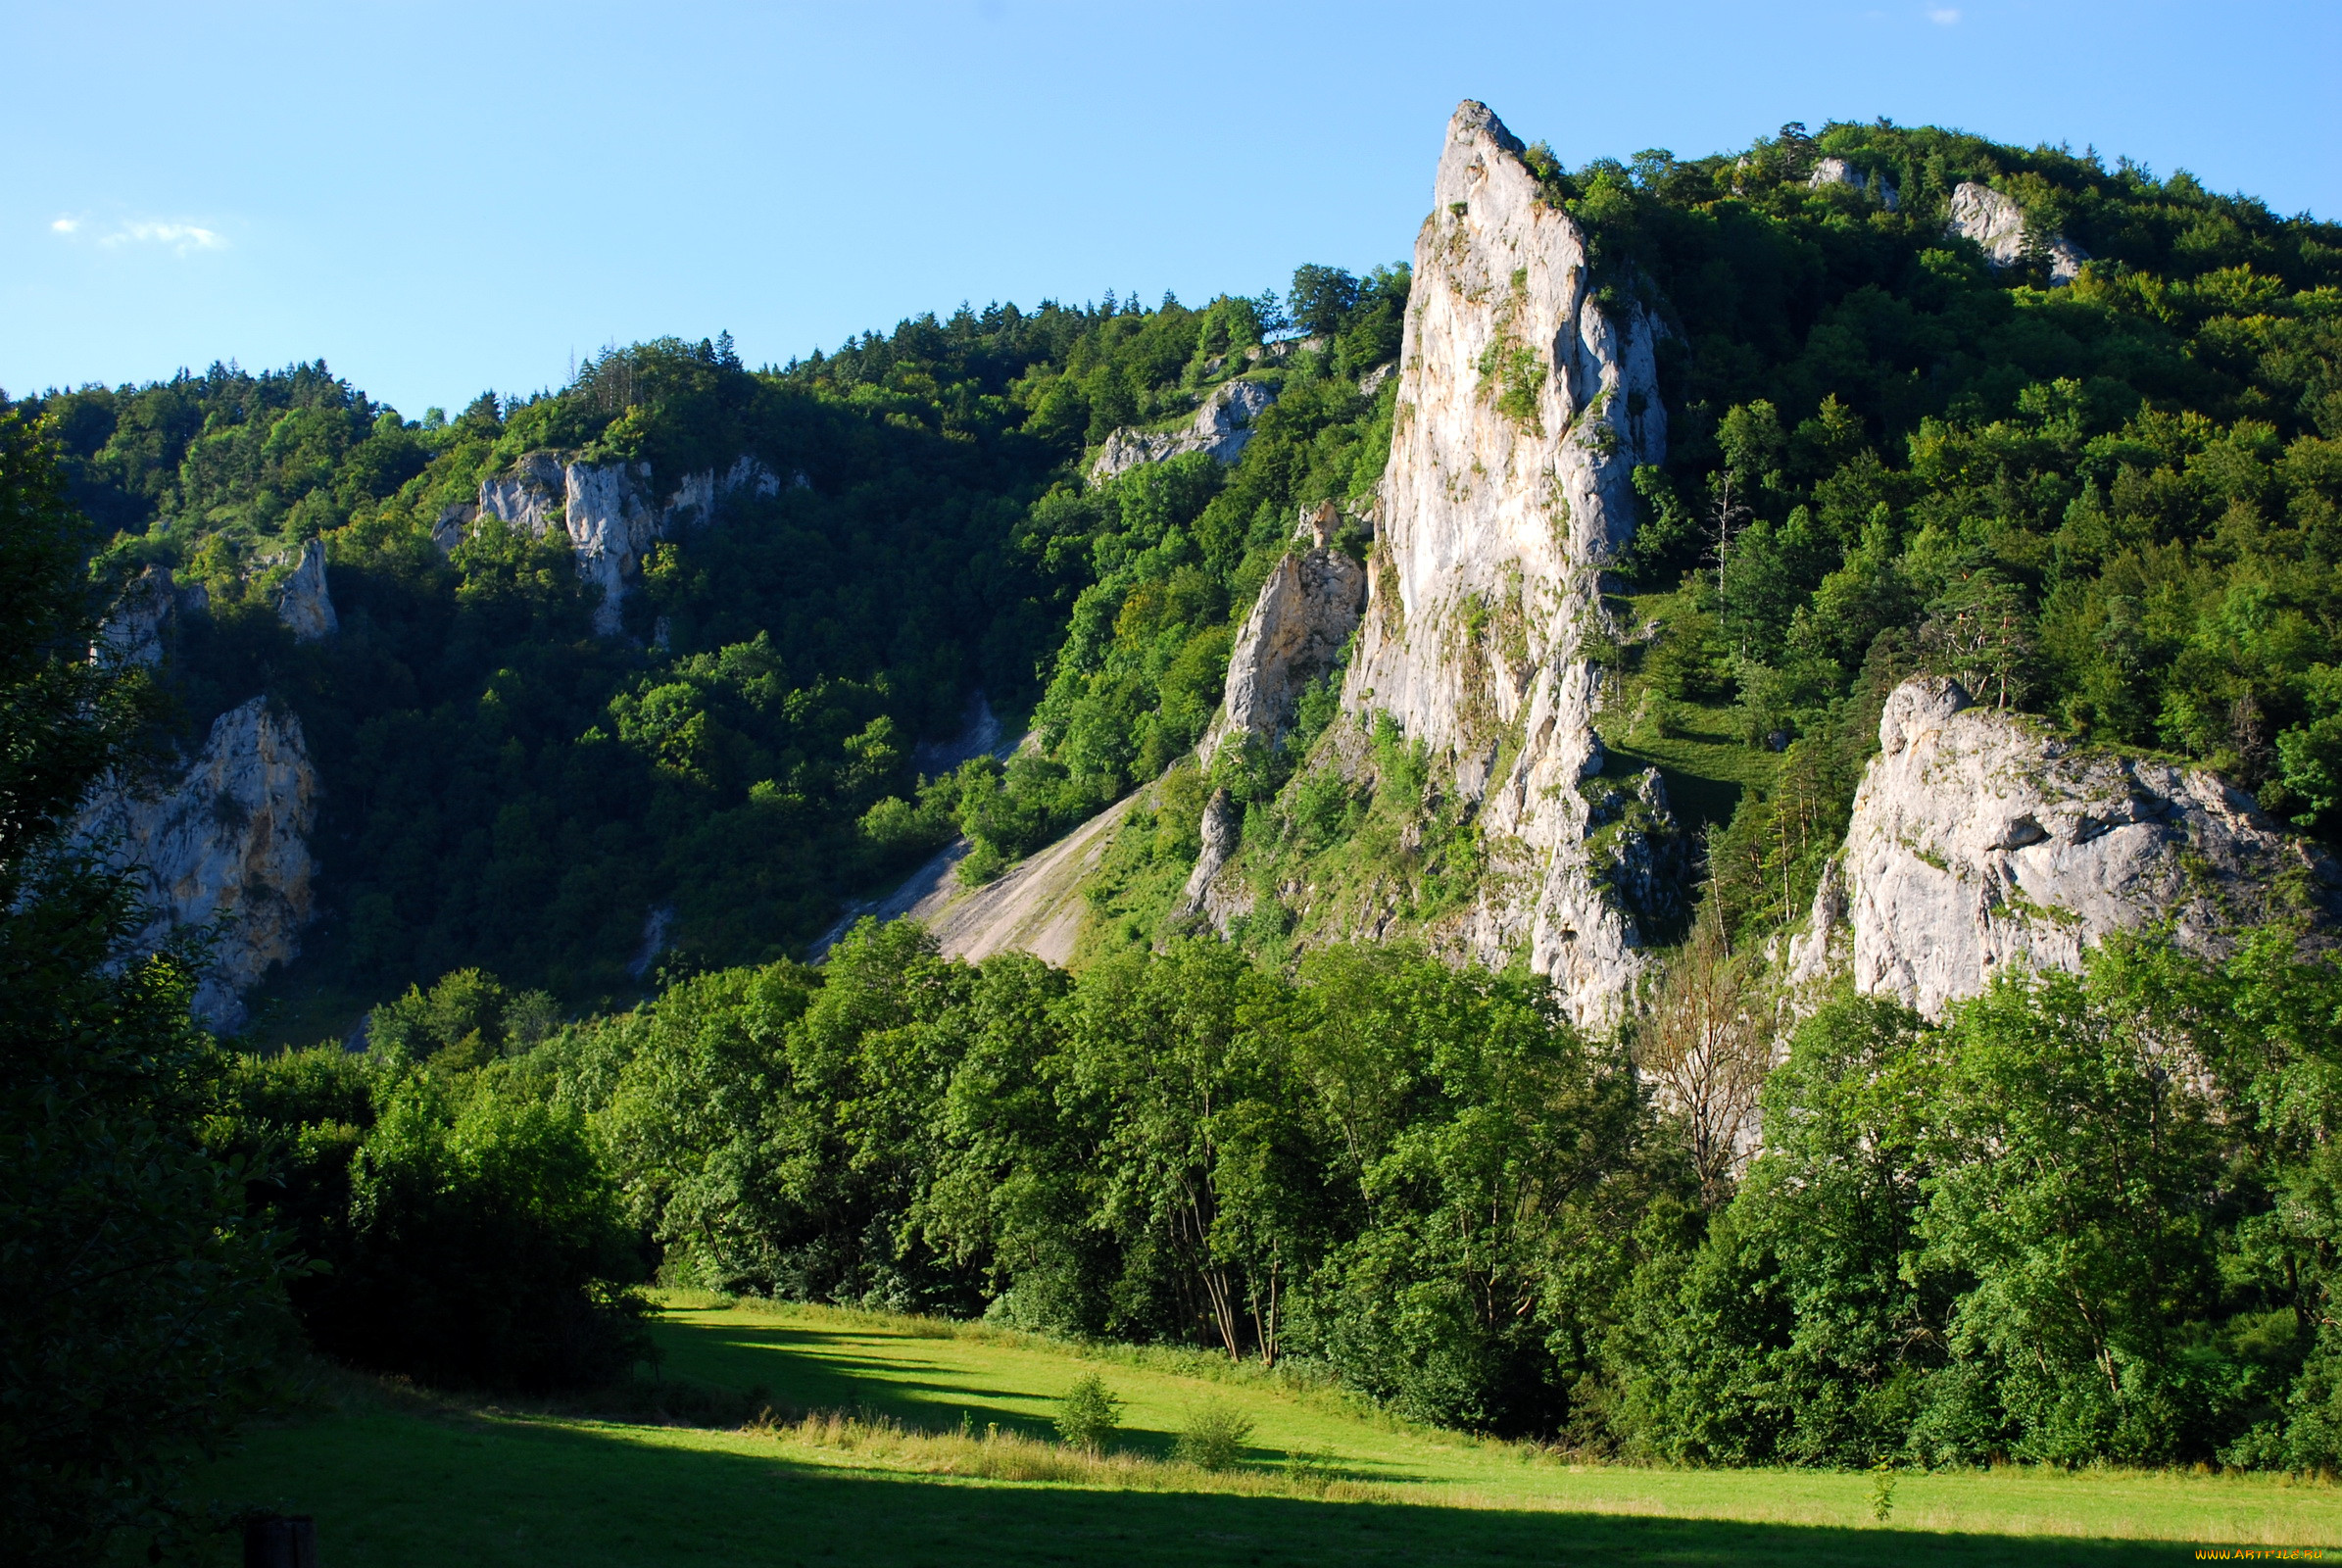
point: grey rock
(1981, 840)
(1222, 427)
(135, 630)
(1306, 611)
(453, 525)
(1996, 223)
(1494, 529)
(1838, 172)
(226, 840)
(1221, 830)
(302, 601)
(1371, 381)
(607, 511)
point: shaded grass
(883, 1440)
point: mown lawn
(398, 1479)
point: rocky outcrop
(226, 841)
(1523, 407)
(1838, 172)
(1981, 840)
(607, 511)
(137, 630)
(1996, 223)
(1305, 613)
(1221, 427)
(302, 601)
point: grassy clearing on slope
(913, 1440)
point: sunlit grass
(794, 1433)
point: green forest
(2082, 1219)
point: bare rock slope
(1981, 840)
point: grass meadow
(790, 1435)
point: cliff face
(1523, 409)
(607, 511)
(302, 600)
(1305, 613)
(228, 841)
(1979, 841)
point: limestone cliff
(302, 600)
(1221, 427)
(1981, 840)
(1306, 611)
(228, 840)
(1523, 407)
(607, 511)
(1996, 223)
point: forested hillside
(505, 790)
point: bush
(1088, 1414)
(482, 1246)
(1214, 1437)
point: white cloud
(178, 238)
(1943, 16)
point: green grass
(399, 1478)
(1698, 752)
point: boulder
(1305, 613)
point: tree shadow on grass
(395, 1488)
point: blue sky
(440, 199)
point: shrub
(1214, 1437)
(484, 1246)
(1088, 1414)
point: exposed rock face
(1997, 224)
(1220, 830)
(302, 601)
(1981, 840)
(1523, 409)
(452, 524)
(1306, 611)
(229, 839)
(1221, 426)
(133, 632)
(1838, 172)
(607, 511)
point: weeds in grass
(999, 1456)
(1882, 1489)
(1214, 1437)
(1088, 1414)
